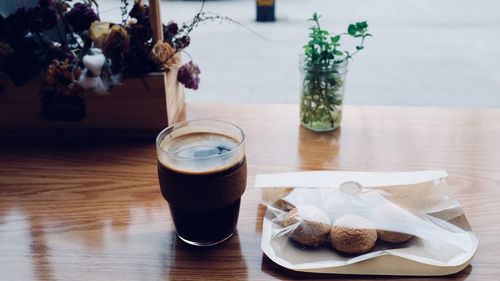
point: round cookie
(352, 235)
(388, 218)
(312, 225)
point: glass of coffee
(203, 173)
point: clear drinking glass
(322, 95)
(202, 173)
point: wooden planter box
(135, 107)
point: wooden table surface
(93, 210)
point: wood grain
(92, 210)
(155, 20)
(136, 105)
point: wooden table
(93, 211)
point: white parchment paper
(443, 242)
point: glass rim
(183, 123)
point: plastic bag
(408, 225)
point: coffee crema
(200, 153)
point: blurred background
(423, 53)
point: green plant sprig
(323, 49)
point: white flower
(94, 63)
(131, 21)
(91, 80)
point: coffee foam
(194, 152)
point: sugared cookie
(352, 235)
(312, 225)
(391, 222)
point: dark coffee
(204, 188)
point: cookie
(352, 235)
(310, 225)
(392, 223)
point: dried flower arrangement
(90, 54)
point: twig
(190, 57)
(201, 16)
(349, 56)
(90, 2)
(215, 16)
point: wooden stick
(156, 24)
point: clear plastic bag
(398, 229)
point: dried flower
(189, 75)
(170, 31)
(43, 17)
(81, 16)
(98, 32)
(163, 54)
(140, 11)
(61, 94)
(60, 75)
(131, 21)
(61, 6)
(136, 62)
(117, 41)
(182, 42)
(115, 45)
(25, 61)
(57, 73)
(139, 34)
(114, 41)
(44, 4)
(77, 73)
(75, 89)
(60, 53)
(18, 23)
(128, 48)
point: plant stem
(357, 50)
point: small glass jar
(322, 95)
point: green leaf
(338, 53)
(315, 17)
(321, 49)
(361, 25)
(352, 29)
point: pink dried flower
(189, 75)
(81, 16)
